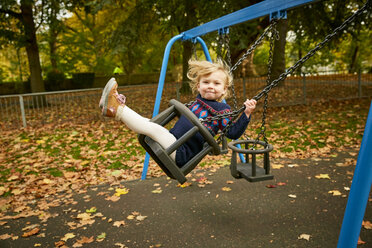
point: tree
(24, 34)
(325, 16)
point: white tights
(142, 125)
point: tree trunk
(37, 84)
(186, 55)
(279, 50)
(353, 63)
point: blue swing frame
(362, 180)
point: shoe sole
(105, 95)
(104, 92)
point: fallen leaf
(157, 191)
(68, 236)
(226, 189)
(141, 218)
(322, 176)
(119, 223)
(30, 233)
(131, 217)
(101, 237)
(334, 192)
(184, 185)
(367, 224)
(304, 236)
(360, 242)
(83, 240)
(229, 182)
(113, 198)
(277, 166)
(281, 184)
(293, 165)
(91, 210)
(292, 196)
(121, 191)
(270, 186)
(5, 236)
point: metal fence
(81, 106)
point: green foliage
(96, 36)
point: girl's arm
(237, 129)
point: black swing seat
(249, 170)
(162, 156)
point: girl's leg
(142, 125)
(113, 105)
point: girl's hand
(250, 106)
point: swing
(248, 170)
(162, 156)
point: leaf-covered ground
(38, 163)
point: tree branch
(11, 13)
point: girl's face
(212, 86)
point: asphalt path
(296, 209)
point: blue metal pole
(159, 93)
(260, 9)
(205, 49)
(359, 192)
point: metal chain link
(274, 36)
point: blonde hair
(198, 69)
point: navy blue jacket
(203, 108)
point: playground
(303, 182)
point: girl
(211, 81)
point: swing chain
(311, 53)
(255, 45)
(273, 36)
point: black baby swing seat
(162, 156)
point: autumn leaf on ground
(113, 198)
(121, 191)
(322, 176)
(293, 165)
(101, 237)
(131, 217)
(304, 236)
(229, 182)
(30, 233)
(83, 240)
(360, 241)
(184, 185)
(91, 210)
(270, 186)
(140, 217)
(226, 189)
(157, 191)
(277, 166)
(367, 224)
(119, 223)
(292, 196)
(334, 192)
(5, 236)
(68, 236)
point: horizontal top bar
(249, 13)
